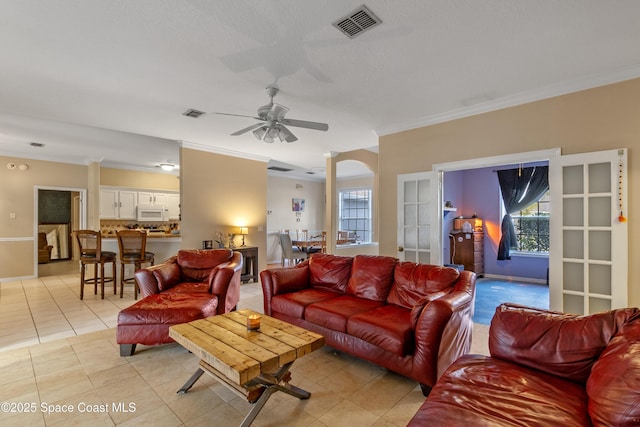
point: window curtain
(520, 188)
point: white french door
(588, 258)
(419, 217)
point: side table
(250, 268)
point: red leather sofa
(413, 319)
(546, 369)
(192, 285)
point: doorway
(58, 211)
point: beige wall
(222, 193)
(17, 195)
(603, 118)
(137, 179)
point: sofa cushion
(287, 280)
(330, 271)
(169, 308)
(387, 327)
(196, 264)
(566, 348)
(412, 282)
(167, 275)
(293, 304)
(191, 287)
(481, 391)
(371, 277)
(614, 384)
(334, 313)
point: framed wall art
(297, 205)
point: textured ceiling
(108, 79)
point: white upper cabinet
(118, 204)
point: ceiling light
(273, 132)
(259, 133)
(167, 166)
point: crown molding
(223, 151)
(564, 88)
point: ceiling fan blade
(305, 124)
(277, 112)
(239, 115)
(286, 133)
(247, 129)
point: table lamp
(244, 231)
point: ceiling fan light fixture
(268, 139)
(273, 132)
(259, 133)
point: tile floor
(57, 353)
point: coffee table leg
(257, 407)
(191, 381)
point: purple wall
(476, 191)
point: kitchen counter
(162, 245)
(155, 236)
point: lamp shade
(244, 230)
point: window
(354, 207)
(532, 226)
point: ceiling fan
(273, 121)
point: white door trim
(483, 162)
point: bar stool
(133, 244)
(91, 253)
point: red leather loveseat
(413, 319)
(545, 369)
(192, 285)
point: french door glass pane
(572, 180)
(573, 212)
(600, 279)
(600, 178)
(600, 211)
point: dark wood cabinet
(250, 260)
(468, 249)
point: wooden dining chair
(133, 245)
(91, 253)
(323, 242)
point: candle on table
(253, 322)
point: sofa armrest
(276, 281)
(445, 327)
(156, 278)
(224, 282)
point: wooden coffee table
(253, 363)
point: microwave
(152, 213)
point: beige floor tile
(349, 414)
(163, 417)
(71, 363)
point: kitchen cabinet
(118, 204)
(170, 201)
(174, 206)
(151, 199)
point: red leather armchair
(546, 369)
(192, 285)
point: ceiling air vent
(193, 113)
(279, 169)
(357, 22)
